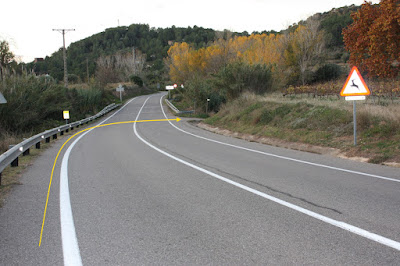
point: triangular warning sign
(355, 85)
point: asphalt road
(171, 193)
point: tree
(6, 56)
(303, 48)
(373, 39)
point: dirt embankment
(287, 144)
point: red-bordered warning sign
(355, 85)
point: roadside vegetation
(286, 85)
(305, 65)
(324, 122)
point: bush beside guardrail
(176, 110)
(10, 157)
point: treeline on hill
(85, 56)
(309, 52)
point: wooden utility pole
(62, 31)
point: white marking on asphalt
(279, 156)
(70, 245)
(69, 240)
(348, 227)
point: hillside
(155, 42)
(316, 125)
(82, 55)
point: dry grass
(6, 140)
(323, 121)
(389, 112)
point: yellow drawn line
(55, 160)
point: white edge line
(69, 240)
(348, 227)
(279, 156)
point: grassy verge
(327, 122)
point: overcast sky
(27, 24)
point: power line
(62, 31)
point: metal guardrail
(176, 110)
(10, 157)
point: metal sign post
(169, 88)
(120, 89)
(355, 122)
(354, 90)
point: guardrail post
(72, 128)
(61, 133)
(14, 163)
(47, 139)
(38, 145)
(25, 152)
(55, 136)
(0, 179)
(67, 130)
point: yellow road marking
(55, 160)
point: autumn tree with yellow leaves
(302, 49)
(184, 61)
(229, 66)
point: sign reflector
(66, 114)
(355, 85)
(355, 98)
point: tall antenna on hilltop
(62, 31)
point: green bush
(198, 90)
(238, 77)
(328, 72)
(137, 80)
(35, 104)
(266, 116)
(72, 78)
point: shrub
(328, 72)
(266, 117)
(137, 80)
(238, 77)
(72, 78)
(35, 104)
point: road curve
(171, 193)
